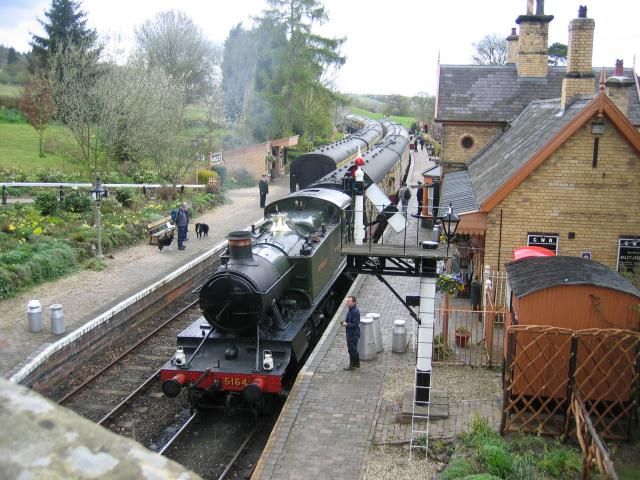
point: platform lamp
(98, 192)
(449, 224)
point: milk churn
(399, 337)
(366, 342)
(56, 317)
(377, 330)
(34, 316)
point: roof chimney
(512, 46)
(532, 58)
(579, 77)
(618, 88)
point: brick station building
(540, 155)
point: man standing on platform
(182, 222)
(263, 186)
(419, 193)
(352, 324)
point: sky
(391, 47)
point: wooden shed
(571, 309)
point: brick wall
(452, 150)
(566, 194)
(532, 58)
(575, 86)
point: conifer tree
(66, 24)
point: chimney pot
(513, 31)
(619, 68)
(540, 7)
(582, 11)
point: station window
(467, 142)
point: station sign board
(628, 254)
(544, 240)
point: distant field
(10, 90)
(19, 148)
(404, 121)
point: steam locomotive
(269, 302)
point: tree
(238, 72)
(292, 78)
(490, 50)
(12, 57)
(66, 26)
(558, 54)
(423, 107)
(174, 43)
(37, 106)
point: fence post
(61, 194)
(507, 377)
(4, 195)
(571, 381)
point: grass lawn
(10, 90)
(404, 121)
(19, 148)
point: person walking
(263, 186)
(415, 144)
(352, 324)
(182, 222)
(421, 143)
(404, 194)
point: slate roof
(457, 189)
(528, 133)
(529, 275)
(490, 93)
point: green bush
(76, 202)
(11, 115)
(125, 197)
(47, 203)
(12, 174)
(496, 459)
(480, 476)
(457, 468)
(222, 173)
(560, 462)
(205, 175)
(51, 175)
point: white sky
(391, 47)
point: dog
(202, 230)
(165, 241)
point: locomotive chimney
(240, 244)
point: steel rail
(178, 433)
(132, 395)
(116, 360)
(232, 462)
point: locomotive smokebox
(239, 244)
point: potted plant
(462, 336)
(450, 284)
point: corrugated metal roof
(489, 93)
(529, 275)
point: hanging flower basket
(450, 284)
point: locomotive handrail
(275, 244)
(188, 363)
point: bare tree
(37, 106)
(490, 50)
(174, 43)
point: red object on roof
(524, 252)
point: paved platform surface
(333, 416)
(86, 294)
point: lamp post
(449, 224)
(98, 193)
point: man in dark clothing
(182, 222)
(352, 324)
(263, 186)
(419, 193)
